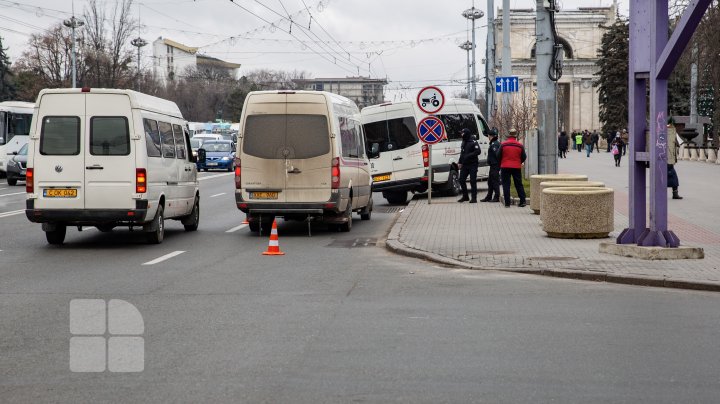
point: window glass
(483, 125)
(393, 134)
(348, 138)
(214, 146)
(454, 123)
(18, 124)
(264, 136)
(109, 136)
(152, 137)
(23, 150)
(307, 136)
(168, 144)
(60, 136)
(360, 139)
(286, 136)
(195, 143)
(179, 142)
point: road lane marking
(221, 193)
(15, 193)
(236, 228)
(164, 257)
(12, 213)
(215, 176)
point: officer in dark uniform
(468, 162)
(493, 161)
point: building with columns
(580, 32)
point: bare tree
(46, 62)
(107, 46)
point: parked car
(16, 166)
(195, 145)
(219, 154)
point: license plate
(263, 195)
(60, 193)
(378, 178)
(211, 164)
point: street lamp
(73, 23)
(138, 43)
(467, 46)
(473, 14)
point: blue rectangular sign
(507, 84)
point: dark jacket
(563, 141)
(493, 159)
(511, 154)
(469, 152)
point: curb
(394, 245)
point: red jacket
(511, 154)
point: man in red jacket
(512, 156)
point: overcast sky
(412, 43)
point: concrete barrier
(686, 154)
(536, 179)
(693, 154)
(711, 156)
(592, 214)
(566, 184)
(681, 153)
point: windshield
(393, 134)
(23, 150)
(217, 147)
(195, 143)
(17, 124)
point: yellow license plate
(60, 193)
(379, 178)
(263, 195)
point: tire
(366, 214)
(347, 226)
(396, 197)
(266, 227)
(57, 236)
(157, 235)
(452, 188)
(12, 182)
(230, 168)
(192, 221)
(254, 226)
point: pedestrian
(578, 141)
(610, 138)
(562, 145)
(468, 163)
(596, 139)
(587, 141)
(672, 179)
(512, 156)
(493, 194)
(616, 150)
(625, 136)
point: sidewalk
(489, 236)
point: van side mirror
(201, 157)
(374, 150)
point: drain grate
(353, 243)
(550, 258)
(390, 209)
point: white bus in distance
(15, 120)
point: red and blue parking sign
(431, 130)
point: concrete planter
(536, 179)
(592, 215)
(565, 184)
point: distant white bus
(15, 118)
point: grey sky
(420, 47)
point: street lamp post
(73, 23)
(138, 43)
(473, 14)
(467, 46)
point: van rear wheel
(157, 234)
(395, 197)
(192, 221)
(367, 212)
(57, 235)
(346, 226)
(12, 182)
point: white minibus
(15, 120)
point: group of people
(504, 159)
(589, 141)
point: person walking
(610, 138)
(616, 150)
(562, 145)
(587, 141)
(672, 178)
(625, 136)
(493, 194)
(512, 156)
(578, 141)
(595, 137)
(468, 163)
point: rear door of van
(59, 155)
(109, 152)
(395, 130)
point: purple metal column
(654, 63)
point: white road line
(221, 193)
(236, 228)
(215, 176)
(12, 213)
(16, 193)
(164, 257)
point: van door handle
(294, 171)
(95, 167)
(397, 158)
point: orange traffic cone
(245, 221)
(274, 245)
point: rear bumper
(87, 217)
(220, 165)
(329, 207)
(413, 184)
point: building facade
(580, 32)
(364, 91)
(172, 59)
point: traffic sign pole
(430, 174)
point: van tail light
(238, 174)
(140, 181)
(29, 181)
(335, 172)
(426, 155)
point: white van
(15, 120)
(107, 158)
(301, 155)
(400, 163)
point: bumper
(413, 184)
(335, 205)
(88, 217)
(219, 165)
(15, 174)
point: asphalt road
(336, 320)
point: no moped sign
(430, 100)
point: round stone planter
(592, 214)
(536, 179)
(566, 184)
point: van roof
(450, 101)
(17, 106)
(334, 98)
(137, 100)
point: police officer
(468, 163)
(493, 194)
